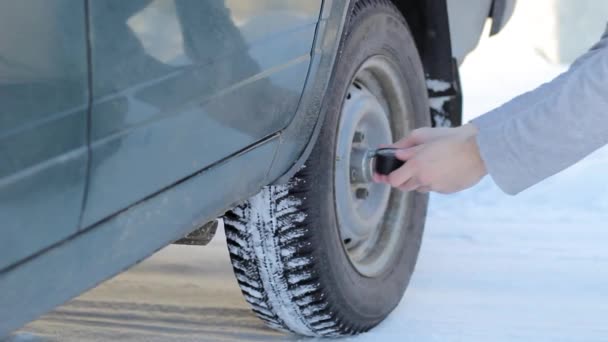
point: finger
(376, 178)
(424, 189)
(410, 185)
(407, 142)
(406, 154)
(416, 137)
(400, 176)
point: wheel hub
(370, 216)
(364, 125)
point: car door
(180, 85)
(43, 124)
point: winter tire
(331, 253)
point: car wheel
(331, 253)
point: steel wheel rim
(371, 217)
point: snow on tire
(267, 245)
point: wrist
(469, 129)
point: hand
(444, 160)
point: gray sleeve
(544, 131)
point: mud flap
(445, 99)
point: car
(126, 126)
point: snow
(437, 85)
(264, 226)
(500, 268)
(437, 103)
(492, 267)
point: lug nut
(353, 175)
(359, 137)
(362, 193)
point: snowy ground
(492, 267)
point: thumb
(416, 137)
(406, 142)
(405, 154)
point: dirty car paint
(187, 84)
(43, 111)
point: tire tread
(290, 233)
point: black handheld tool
(385, 161)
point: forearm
(524, 101)
(544, 131)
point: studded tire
(285, 244)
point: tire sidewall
(376, 31)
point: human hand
(443, 160)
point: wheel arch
(428, 21)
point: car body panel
(43, 124)
(224, 74)
(298, 139)
(502, 11)
(66, 270)
(467, 19)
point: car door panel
(187, 84)
(92, 256)
(43, 124)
